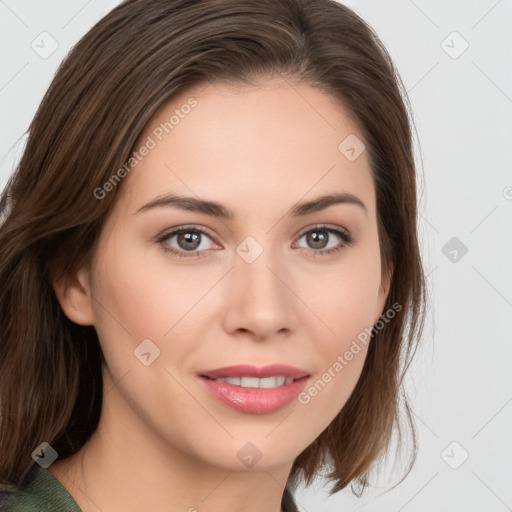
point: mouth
(254, 390)
(255, 382)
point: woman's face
(267, 285)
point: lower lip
(254, 400)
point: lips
(245, 370)
(254, 400)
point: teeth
(254, 382)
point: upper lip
(246, 370)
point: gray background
(460, 383)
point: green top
(44, 493)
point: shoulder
(23, 501)
(41, 492)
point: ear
(73, 294)
(383, 293)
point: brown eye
(323, 240)
(188, 240)
(185, 240)
(317, 239)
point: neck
(125, 466)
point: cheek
(345, 297)
(143, 296)
(346, 302)
(139, 297)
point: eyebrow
(214, 209)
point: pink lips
(247, 370)
(254, 400)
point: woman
(211, 280)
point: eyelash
(345, 236)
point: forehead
(250, 146)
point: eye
(323, 240)
(188, 241)
(191, 241)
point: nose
(260, 301)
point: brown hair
(103, 95)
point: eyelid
(183, 227)
(327, 227)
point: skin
(163, 443)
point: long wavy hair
(103, 95)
